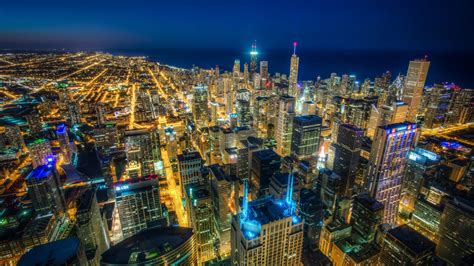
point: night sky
(428, 25)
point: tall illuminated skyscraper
(236, 69)
(267, 231)
(64, 143)
(138, 203)
(284, 129)
(200, 107)
(305, 136)
(264, 69)
(253, 59)
(293, 79)
(414, 83)
(142, 147)
(387, 164)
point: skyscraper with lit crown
(293, 79)
(414, 83)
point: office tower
(367, 214)
(34, 122)
(223, 191)
(69, 251)
(190, 164)
(264, 69)
(201, 218)
(142, 147)
(344, 156)
(382, 82)
(388, 160)
(328, 185)
(439, 100)
(426, 218)
(243, 107)
(64, 143)
(100, 112)
(414, 84)
(284, 129)
(40, 151)
(293, 80)
(236, 68)
(74, 113)
(421, 164)
(405, 246)
(396, 112)
(171, 143)
(264, 164)
(246, 72)
(461, 98)
(456, 237)
(90, 229)
(267, 231)
(44, 189)
(311, 211)
(105, 138)
(253, 59)
(200, 108)
(138, 203)
(154, 246)
(228, 95)
(305, 136)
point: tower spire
(294, 47)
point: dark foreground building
(154, 246)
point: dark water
(445, 67)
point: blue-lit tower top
(253, 58)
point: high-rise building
(154, 246)
(40, 151)
(138, 203)
(264, 164)
(367, 214)
(90, 228)
(396, 112)
(461, 98)
(405, 246)
(200, 107)
(331, 233)
(305, 136)
(201, 217)
(190, 164)
(236, 68)
(142, 147)
(243, 107)
(421, 164)
(64, 143)
(456, 237)
(426, 218)
(264, 69)
(267, 231)
(246, 72)
(293, 79)
(387, 164)
(437, 110)
(171, 143)
(311, 211)
(344, 156)
(284, 129)
(44, 189)
(253, 59)
(414, 84)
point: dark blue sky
(425, 25)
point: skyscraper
(367, 214)
(200, 107)
(285, 125)
(264, 164)
(311, 212)
(64, 143)
(267, 231)
(201, 218)
(90, 228)
(456, 237)
(142, 147)
(305, 136)
(44, 189)
(414, 84)
(264, 69)
(138, 203)
(253, 59)
(236, 69)
(388, 159)
(190, 164)
(293, 79)
(344, 156)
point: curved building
(156, 246)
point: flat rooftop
(411, 239)
(53, 253)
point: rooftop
(40, 172)
(369, 203)
(152, 243)
(53, 253)
(411, 239)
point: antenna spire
(294, 47)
